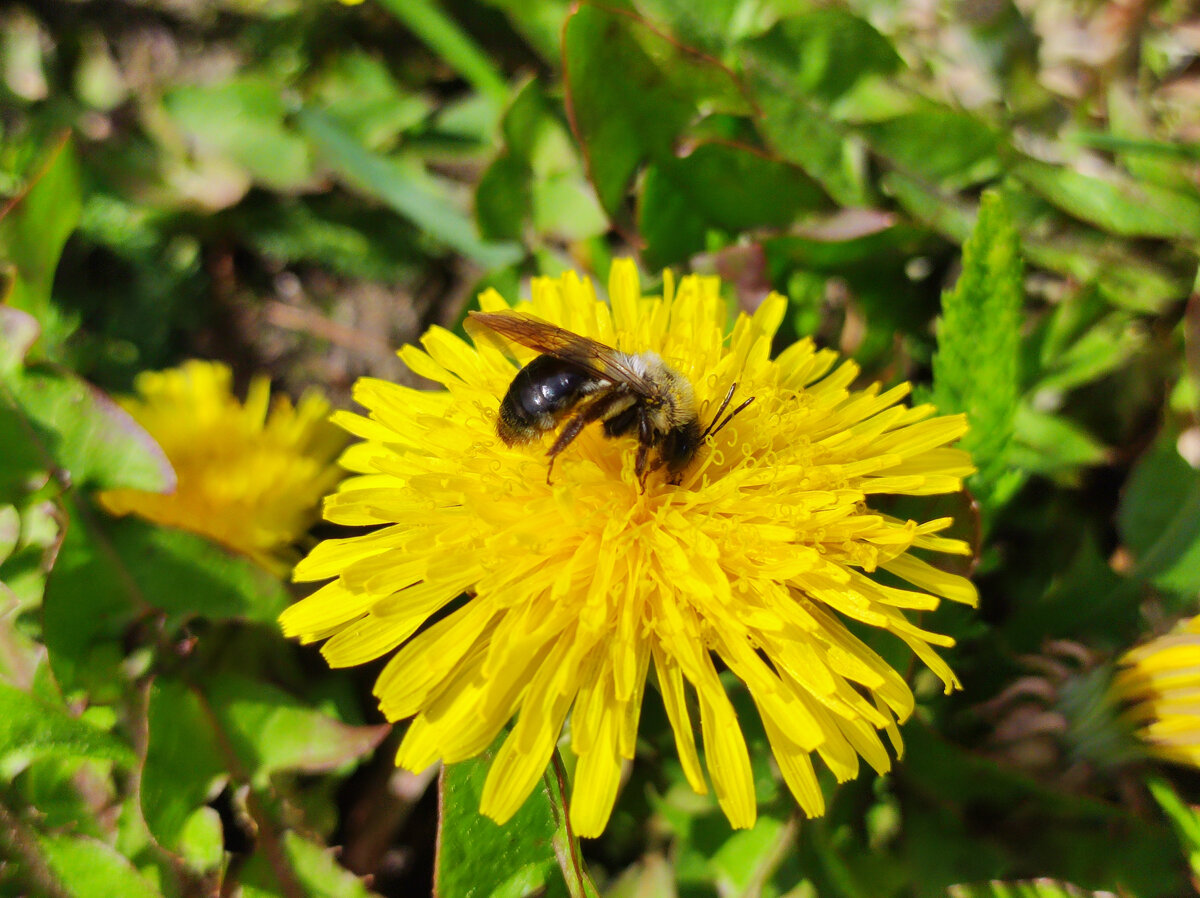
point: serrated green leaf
(1159, 518)
(88, 868)
(32, 728)
(975, 369)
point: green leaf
(315, 868)
(975, 368)
(1159, 518)
(1185, 820)
(89, 868)
(1047, 444)
(477, 857)
(35, 225)
(1125, 207)
(359, 92)
(632, 93)
(270, 730)
(538, 178)
(244, 119)
(183, 761)
(31, 728)
(718, 186)
(405, 187)
(451, 43)
(110, 572)
(946, 146)
(796, 71)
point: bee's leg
(645, 442)
(600, 404)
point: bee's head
(679, 446)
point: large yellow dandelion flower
(1160, 683)
(250, 476)
(754, 560)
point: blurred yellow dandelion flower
(1160, 684)
(755, 558)
(250, 476)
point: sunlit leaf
(88, 868)
(31, 728)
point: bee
(577, 381)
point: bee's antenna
(713, 427)
(716, 430)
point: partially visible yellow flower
(250, 476)
(756, 560)
(1160, 683)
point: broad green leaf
(478, 857)
(32, 728)
(718, 186)
(35, 225)
(202, 839)
(1125, 207)
(244, 119)
(270, 730)
(710, 25)
(404, 186)
(796, 71)
(748, 856)
(314, 866)
(1159, 518)
(183, 761)
(538, 177)
(111, 572)
(975, 368)
(632, 94)
(951, 148)
(51, 418)
(88, 868)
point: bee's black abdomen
(541, 393)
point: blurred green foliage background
(300, 187)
